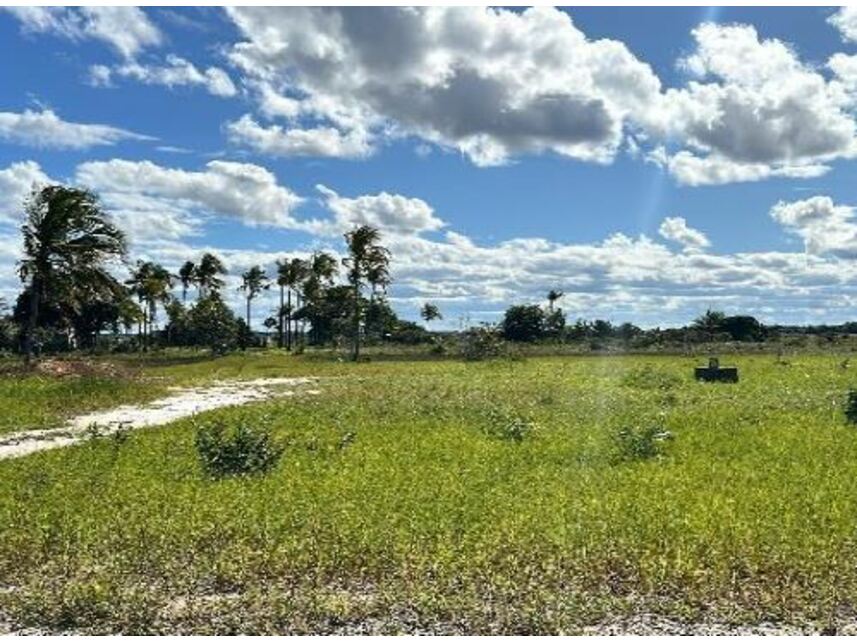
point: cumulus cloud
(676, 229)
(47, 130)
(489, 82)
(845, 20)
(176, 72)
(160, 201)
(16, 183)
(316, 141)
(753, 111)
(127, 29)
(390, 213)
(823, 225)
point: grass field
(403, 504)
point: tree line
(71, 297)
(70, 294)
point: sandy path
(182, 403)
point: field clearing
(402, 504)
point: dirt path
(182, 403)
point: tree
(366, 257)
(290, 274)
(553, 297)
(68, 240)
(430, 312)
(187, 277)
(151, 282)
(208, 275)
(523, 323)
(711, 322)
(253, 282)
(319, 273)
(212, 323)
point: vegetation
(238, 449)
(395, 496)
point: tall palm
(366, 257)
(553, 297)
(320, 272)
(67, 237)
(253, 282)
(187, 277)
(208, 274)
(151, 282)
(290, 274)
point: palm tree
(430, 312)
(67, 237)
(290, 273)
(366, 258)
(207, 274)
(187, 277)
(553, 297)
(151, 282)
(253, 282)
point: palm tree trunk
(356, 355)
(32, 320)
(289, 323)
(280, 341)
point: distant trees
(208, 275)
(152, 283)
(68, 242)
(367, 261)
(524, 323)
(430, 312)
(253, 282)
(187, 277)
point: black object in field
(714, 373)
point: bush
(508, 426)
(851, 407)
(481, 342)
(632, 445)
(236, 451)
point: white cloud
(47, 130)
(176, 72)
(845, 20)
(690, 169)
(390, 213)
(16, 183)
(676, 229)
(754, 111)
(491, 83)
(316, 141)
(127, 29)
(143, 192)
(823, 225)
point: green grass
(430, 515)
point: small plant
(513, 427)
(633, 445)
(236, 450)
(851, 407)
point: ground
(443, 496)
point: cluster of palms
(69, 244)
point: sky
(650, 163)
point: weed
(851, 407)
(236, 449)
(636, 444)
(506, 425)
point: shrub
(851, 407)
(509, 426)
(481, 342)
(632, 445)
(237, 450)
(649, 378)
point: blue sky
(649, 162)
